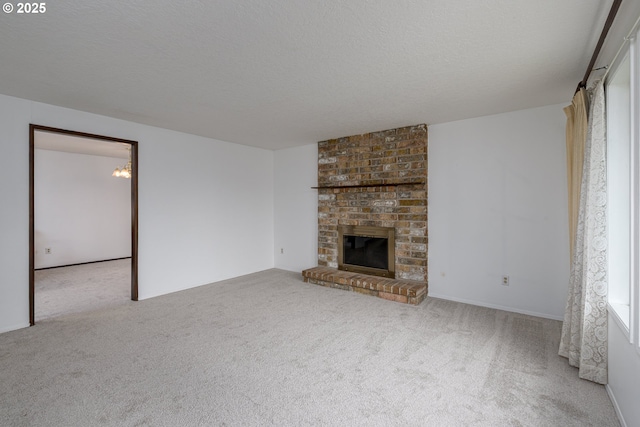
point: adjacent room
(336, 213)
(82, 241)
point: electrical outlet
(505, 280)
(281, 250)
(47, 251)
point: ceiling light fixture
(124, 171)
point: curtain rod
(624, 43)
(607, 25)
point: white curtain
(584, 331)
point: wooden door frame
(134, 207)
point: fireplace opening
(368, 250)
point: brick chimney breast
(376, 179)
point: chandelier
(124, 171)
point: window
(619, 190)
(623, 176)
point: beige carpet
(79, 288)
(268, 349)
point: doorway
(133, 149)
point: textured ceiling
(281, 73)
(55, 141)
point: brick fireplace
(377, 179)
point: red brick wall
(395, 156)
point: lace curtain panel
(584, 331)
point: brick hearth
(405, 291)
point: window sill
(620, 313)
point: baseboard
(612, 397)
(496, 306)
(81, 263)
(13, 328)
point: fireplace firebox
(367, 249)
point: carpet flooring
(269, 349)
(79, 288)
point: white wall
(82, 213)
(498, 206)
(205, 206)
(624, 374)
(296, 208)
(14, 213)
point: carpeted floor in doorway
(79, 288)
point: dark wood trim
(81, 263)
(32, 259)
(134, 221)
(134, 206)
(399, 184)
(82, 134)
(605, 30)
